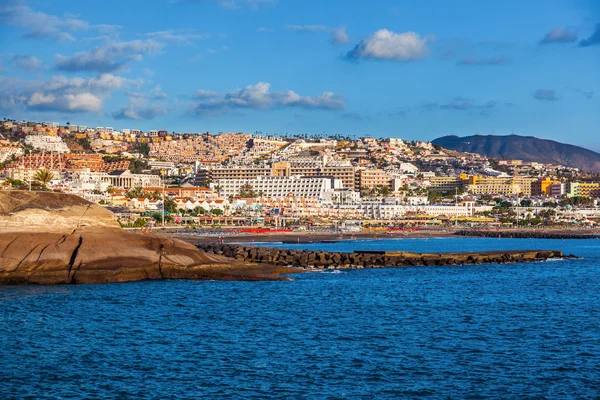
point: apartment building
(47, 143)
(371, 178)
(378, 210)
(583, 189)
(276, 186)
(316, 167)
(447, 184)
(503, 186)
(238, 172)
(542, 187)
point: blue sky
(411, 69)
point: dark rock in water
(376, 259)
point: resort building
(276, 186)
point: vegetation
(247, 191)
(43, 177)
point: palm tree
(43, 176)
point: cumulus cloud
(339, 35)
(484, 61)
(27, 63)
(172, 36)
(60, 93)
(306, 28)
(559, 35)
(594, 39)
(140, 106)
(388, 45)
(260, 97)
(545, 95)
(107, 58)
(39, 24)
(204, 94)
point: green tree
(139, 223)
(247, 191)
(170, 205)
(434, 197)
(43, 177)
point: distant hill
(526, 148)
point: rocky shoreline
(52, 238)
(527, 234)
(314, 259)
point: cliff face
(52, 238)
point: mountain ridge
(526, 148)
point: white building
(126, 179)
(47, 143)
(379, 210)
(277, 186)
(8, 150)
(85, 180)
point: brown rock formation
(22, 211)
(52, 238)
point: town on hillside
(158, 178)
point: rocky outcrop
(370, 259)
(23, 211)
(102, 255)
(526, 234)
(53, 238)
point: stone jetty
(370, 259)
(527, 234)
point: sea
(513, 331)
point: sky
(415, 69)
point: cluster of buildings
(237, 174)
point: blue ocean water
(490, 331)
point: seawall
(370, 259)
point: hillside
(526, 148)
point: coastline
(329, 237)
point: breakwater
(527, 234)
(370, 259)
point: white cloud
(107, 58)
(339, 35)
(204, 94)
(46, 26)
(143, 105)
(39, 24)
(28, 63)
(259, 96)
(61, 93)
(172, 36)
(559, 35)
(388, 45)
